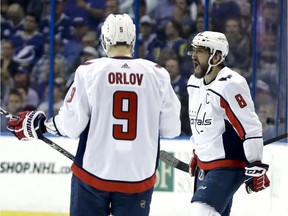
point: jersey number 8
(242, 103)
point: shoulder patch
(87, 63)
(225, 78)
(158, 66)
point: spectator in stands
(89, 39)
(179, 84)
(147, 38)
(21, 79)
(25, 56)
(266, 109)
(4, 7)
(221, 10)
(268, 65)
(174, 39)
(271, 17)
(87, 54)
(125, 6)
(24, 94)
(8, 66)
(181, 13)
(92, 11)
(40, 73)
(162, 13)
(239, 47)
(13, 21)
(29, 36)
(112, 7)
(195, 7)
(14, 106)
(142, 8)
(15, 14)
(246, 16)
(37, 7)
(200, 24)
(62, 27)
(71, 51)
(58, 93)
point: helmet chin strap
(212, 65)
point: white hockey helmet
(117, 29)
(215, 41)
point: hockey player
(118, 106)
(227, 134)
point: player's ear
(216, 58)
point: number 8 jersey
(226, 130)
(119, 107)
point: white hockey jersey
(226, 130)
(119, 107)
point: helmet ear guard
(118, 29)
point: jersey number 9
(125, 108)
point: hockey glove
(255, 177)
(28, 126)
(193, 164)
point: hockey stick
(173, 161)
(178, 164)
(41, 137)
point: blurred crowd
(166, 28)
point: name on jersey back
(122, 78)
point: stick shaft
(277, 138)
(41, 137)
(178, 164)
(57, 147)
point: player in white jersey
(227, 134)
(119, 107)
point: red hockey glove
(255, 177)
(28, 126)
(193, 164)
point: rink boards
(36, 178)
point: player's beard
(200, 70)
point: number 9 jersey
(119, 107)
(226, 130)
